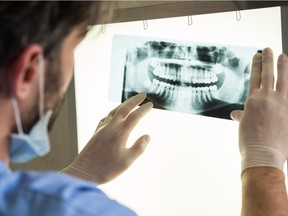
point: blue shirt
(28, 193)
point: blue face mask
(25, 147)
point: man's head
(33, 29)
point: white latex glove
(263, 129)
(106, 156)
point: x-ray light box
(192, 164)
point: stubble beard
(53, 98)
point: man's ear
(23, 71)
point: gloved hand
(263, 129)
(106, 156)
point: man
(36, 65)
(263, 138)
(37, 40)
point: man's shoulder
(51, 193)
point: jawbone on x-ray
(206, 79)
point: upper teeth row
(161, 84)
(183, 62)
(186, 75)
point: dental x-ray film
(190, 77)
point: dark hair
(45, 23)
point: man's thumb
(236, 115)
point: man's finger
(255, 78)
(282, 79)
(134, 117)
(125, 108)
(112, 113)
(138, 148)
(267, 76)
(236, 115)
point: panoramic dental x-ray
(205, 79)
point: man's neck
(6, 122)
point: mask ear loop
(17, 115)
(41, 98)
(41, 85)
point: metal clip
(145, 24)
(190, 21)
(238, 15)
(103, 28)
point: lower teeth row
(182, 93)
(193, 89)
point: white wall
(192, 164)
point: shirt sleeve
(47, 194)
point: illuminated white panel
(192, 164)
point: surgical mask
(25, 147)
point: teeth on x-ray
(190, 80)
(192, 94)
(184, 77)
(185, 72)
